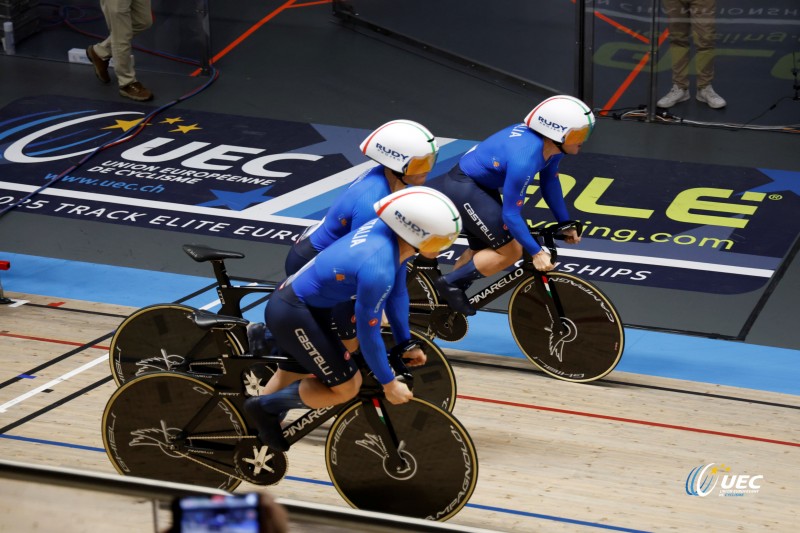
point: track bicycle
(413, 459)
(563, 324)
(162, 337)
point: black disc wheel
(436, 477)
(172, 427)
(584, 344)
(162, 338)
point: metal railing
(303, 513)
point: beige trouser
(695, 17)
(125, 19)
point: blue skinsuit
(363, 264)
(508, 160)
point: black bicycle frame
(370, 396)
(525, 266)
(230, 295)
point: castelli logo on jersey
(394, 154)
(373, 322)
(552, 125)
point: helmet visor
(420, 165)
(437, 243)
(577, 135)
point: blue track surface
(646, 352)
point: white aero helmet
(424, 218)
(403, 146)
(563, 119)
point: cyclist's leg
(305, 334)
(464, 258)
(343, 316)
(482, 214)
(491, 261)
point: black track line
(53, 405)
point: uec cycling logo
(702, 480)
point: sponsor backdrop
(704, 228)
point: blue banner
(707, 228)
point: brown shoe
(100, 65)
(136, 91)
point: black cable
(770, 108)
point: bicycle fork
(391, 446)
(558, 323)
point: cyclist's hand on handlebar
(415, 357)
(397, 392)
(571, 236)
(542, 262)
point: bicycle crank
(257, 464)
(448, 325)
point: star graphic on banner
(238, 201)
(338, 140)
(186, 129)
(124, 125)
(782, 181)
(171, 120)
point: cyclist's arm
(514, 189)
(397, 308)
(371, 294)
(551, 190)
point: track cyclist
(406, 152)
(368, 264)
(506, 163)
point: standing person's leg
(118, 43)
(677, 12)
(126, 18)
(704, 35)
(100, 53)
(141, 16)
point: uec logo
(702, 480)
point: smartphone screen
(237, 513)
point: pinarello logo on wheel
(702, 479)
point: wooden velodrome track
(554, 456)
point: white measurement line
(660, 261)
(675, 263)
(53, 383)
(73, 373)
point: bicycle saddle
(201, 253)
(205, 320)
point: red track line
(628, 420)
(635, 72)
(622, 28)
(312, 3)
(55, 341)
(236, 42)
